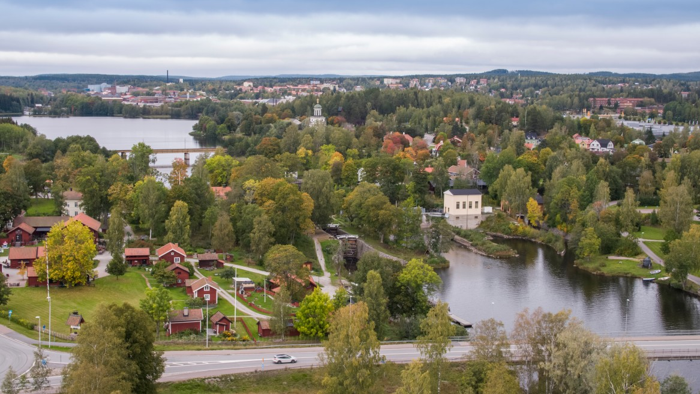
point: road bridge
(186, 151)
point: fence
(66, 337)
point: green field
(656, 248)
(612, 267)
(28, 302)
(651, 233)
(41, 207)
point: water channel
(476, 287)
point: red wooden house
(171, 253)
(20, 235)
(204, 288)
(36, 280)
(137, 256)
(181, 272)
(209, 260)
(220, 323)
(41, 224)
(26, 255)
(94, 225)
(185, 319)
(264, 329)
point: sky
(211, 38)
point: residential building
(532, 140)
(415, 83)
(137, 256)
(601, 145)
(21, 235)
(94, 225)
(185, 319)
(462, 207)
(209, 260)
(220, 191)
(41, 224)
(264, 329)
(583, 142)
(220, 323)
(204, 288)
(182, 274)
(392, 81)
(171, 253)
(460, 80)
(25, 255)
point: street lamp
(627, 307)
(206, 333)
(48, 292)
(39, 317)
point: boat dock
(458, 320)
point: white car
(284, 358)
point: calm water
(119, 133)
(478, 287)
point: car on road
(284, 358)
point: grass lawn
(401, 253)
(28, 302)
(601, 264)
(227, 284)
(651, 233)
(305, 244)
(41, 207)
(4, 252)
(656, 248)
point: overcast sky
(210, 38)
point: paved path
(234, 301)
(249, 269)
(660, 261)
(18, 353)
(325, 280)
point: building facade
(462, 207)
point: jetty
(459, 321)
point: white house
(462, 207)
(601, 145)
(73, 201)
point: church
(318, 119)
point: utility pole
(48, 291)
(206, 333)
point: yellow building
(462, 207)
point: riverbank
(499, 225)
(479, 243)
(605, 265)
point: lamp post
(39, 317)
(48, 291)
(627, 307)
(206, 332)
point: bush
(627, 247)
(5, 314)
(437, 261)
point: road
(660, 261)
(234, 301)
(325, 280)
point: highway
(183, 365)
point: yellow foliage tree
(534, 213)
(71, 250)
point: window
(179, 281)
(206, 287)
(464, 204)
(457, 204)
(75, 213)
(206, 297)
(176, 259)
(75, 204)
(470, 205)
(476, 204)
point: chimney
(186, 312)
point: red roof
(218, 316)
(89, 222)
(220, 191)
(168, 247)
(26, 253)
(197, 284)
(193, 315)
(207, 256)
(429, 170)
(137, 252)
(24, 227)
(176, 266)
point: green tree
(534, 212)
(434, 341)
(285, 264)
(319, 185)
(157, 305)
(518, 191)
(341, 298)
(10, 384)
(280, 312)
(623, 368)
(151, 195)
(414, 380)
(684, 256)
(489, 342)
(628, 215)
(219, 168)
(416, 283)
(71, 250)
(376, 300)
(439, 237)
(676, 208)
(178, 224)
(224, 238)
(572, 366)
(313, 315)
(39, 372)
(261, 238)
(178, 173)
(589, 245)
(501, 380)
(675, 384)
(140, 160)
(162, 275)
(5, 291)
(440, 176)
(115, 243)
(351, 354)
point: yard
(648, 232)
(28, 302)
(41, 207)
(614, 267)
(656, 248)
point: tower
(317, 108)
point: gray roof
(603, 141)
(464, 192)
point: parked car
(284, 358)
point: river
(478, 288)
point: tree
(162, 275)
(157, 305)
(288, 209)
(340, 299)
(71, 249)
(5, 291)
(684, 256)
(647, 184)
(280, 312)
(376, 300)
(9, 384)
(219, 168)
(621, 369)
(439, 237)
(115, 243)
(676, 208)
(675, 384)
(602, 194)
(572, 366)
(518, 191)
(416, 283)
(178, 224)
(414, 380)
(313, 315)
(178, 173)
(12, 204)
(116, 266)
(319, 185)
(589, 245)
(224, 238)
(435, 341)
(352, 334)
(140, 160)
(629, 217)
(39, 372)
(489, 342)
(114, 353)
(534, 212)
(500, 380)
(151, 195)
(211, 215)
(261, 238)
(285, 264)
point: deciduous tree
(489, 341)
(261, 238)
(589, 245)
(280, 312)
(224, 238)
(151, 195)
(622, 369)
(416, 283)
(71, 249)
(285, 264)
(676, 208)
(178, 173)
(376, 300)
(501, 380)
(178, 224)
(434, 342)
(313, 315)
(572, 366)
(684, 256)
(5, 291)
(157, 305)
(675, 384)
(629, 217)
(534, 212)
(319, 185)
(414, 380)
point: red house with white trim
(171, 253)
(137, 256)
(181, 273)
(94, 225)
(185, 319)
(20, 235)
(26, 255)
(220, 323)
(204, 288)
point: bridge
(186, 151)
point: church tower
(317, 109)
